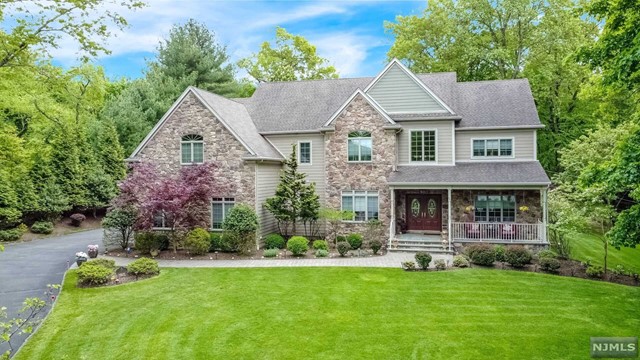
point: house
(435, 160)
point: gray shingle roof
(484, 173)
(236, 117)
(307, 105)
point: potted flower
(93, 251)
(81, 258)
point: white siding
(523, 147)
(396, 92)
(267, 176)
(315, 171)
(444, 131)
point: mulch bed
(184, 255)
(572, 268)
(121, 277)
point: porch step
(439, 250)
(430, 246)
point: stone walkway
(389, 260)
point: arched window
(359, 146)
(191, 148)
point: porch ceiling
(507, 174)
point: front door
(424, 212)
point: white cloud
(346, 51)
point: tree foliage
(292, 58)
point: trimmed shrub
(321, 245)
(409, 265)
(92, 273)
(340, 238)
(197, 241)
(440, 264)
(42, 227)
(595, 271)
(549, 264)
(215, 241)
(517, 256)
(460, 261)
(298, 245)
(148, 241)
(143, 266)
(270, 253)
(355, 240)
(10, 235)
(375, 246)
(108, 263)
(546, 254)
(343, 248)
(228, 242)
(242, 223)
(320, 253)
(77, 219)
(500, 253)
(423, 259)
(481, 254)
(274, 241)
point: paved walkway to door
(389, 260)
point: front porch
(434, 219)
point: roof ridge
(218, 95)
(496, 80)
(310, 80)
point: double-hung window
(304, 152)
(191, 149)
(362, 204)
(162, 220)
(492, 148)
(219, 209)
(359, 146)
(423, 145)
(495, 208)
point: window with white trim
(162, 220)
(423, 145)
(220, 207)
(492, 147)
(304, 152)
(363, 204)
(359, 146)
(192, 149)
(495, 208)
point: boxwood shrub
(500, 253)
(198, 241)
(460, 261)
(320, 245)
(224, 242)
(10, 235)
(274, 241)
(147, 241)
(481, 254)
(42, 227)
(343, 248)
(423, 259)
(298, 245)
(375, 246)
(108, 263)
(517, 256)
(93, 273)
(549, 264)
(143, 266)
(355, 240)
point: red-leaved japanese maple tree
(183, 200)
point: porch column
(545, 213)
(449, 205)
(392, 221)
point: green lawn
(336, 313)
(585, 246)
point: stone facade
(370, 176)
(462, 199)
(220, 148)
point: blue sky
(348, 33)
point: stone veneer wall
(220, 148)
(401, 208)
(342, 175)
(531, 198)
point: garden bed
(121, 277)
(184, 255)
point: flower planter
(92, 254)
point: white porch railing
(498, 232)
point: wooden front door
(424, 212)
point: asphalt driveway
(26, 268)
